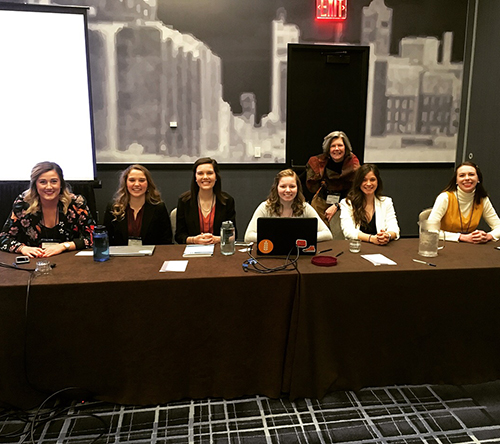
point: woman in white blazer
(365, 213)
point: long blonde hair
(122, 198)
(273, 200)
(31, 196)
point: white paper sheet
(178, 266)
(378, 259)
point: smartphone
(22, 260)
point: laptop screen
(278, 236)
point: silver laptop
(132, 250)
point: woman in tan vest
(461, 205)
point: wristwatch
(66, 245)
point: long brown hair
(32, 197)
(195, 189)
(122, 197)
(273, 200)
(480, 192)
(357, 198)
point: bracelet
(370, 238)
(390, 237)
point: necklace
(206, 216)
(460, 215)
(208, 209)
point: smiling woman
(137, 215)
(201, 210)
(47, 219)
(366, 214)
(462, 204)
(286, 200)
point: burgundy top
(134, 224)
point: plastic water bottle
(101, 244)
(227, 235)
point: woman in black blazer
(201, 211)
(137, 215)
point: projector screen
(45, 100)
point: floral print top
(21, 228)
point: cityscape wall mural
(174, 80)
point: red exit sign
(331, 9)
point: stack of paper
(195, 250)
(378, 259)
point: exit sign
(331, 9)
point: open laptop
(278, 236)
(131, 250)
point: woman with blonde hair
(137, 215)
(47, 219)
(286, 200)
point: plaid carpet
(404, 414)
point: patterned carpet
(403, 414)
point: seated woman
(137, 215)
(286, 200)
(462, 203)
(329, 178)
(201, 211)
(47, 219)
(365, 213)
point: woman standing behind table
(330, 176)
(365, 213)
(47, 219)
(462, 203)
(201, 211)
(137, 215)
(286, 200)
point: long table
(126, 333)
(362, 325)
(123, 332)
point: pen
(340, 254)
(425, 263)
(324, 251)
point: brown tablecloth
(362, 325)
(123, 332)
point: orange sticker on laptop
(265, 246)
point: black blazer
(156, 228)
(188, 220)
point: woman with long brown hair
(137, 215)
(366, 214)
(461, 205)
(202, 209)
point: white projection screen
(45, 100)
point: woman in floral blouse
(47, 219)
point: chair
(424, 214)
(173, 221)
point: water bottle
(101, 244)
(227, 235)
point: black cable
(252, 264)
